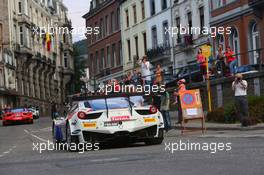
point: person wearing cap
(240, 86)
(181, 88)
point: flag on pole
(48, 41)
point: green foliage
(79, 70)
(227, 114)
(217, 115)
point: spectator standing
(240, 86)
(1, 113)
(220, 61)
(231, 60)
(165, 107)
(158, 74)
(202, 62)
(181, 88)
(128, 78)
(53, 110)
(140, 81)
(145, 70)
(134, 78)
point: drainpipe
(172, 40)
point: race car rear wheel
(31, 121)
(5, 123)
(157, 140)
(72, 141)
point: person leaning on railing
(231, 60)
(202, 62)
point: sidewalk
(213, 126)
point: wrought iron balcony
(158, 51)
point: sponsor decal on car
(120, 118)
(89, 124)
(109, 124)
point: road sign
(192, 108)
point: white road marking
(47, 129)
(7, 152)
(37, 137)
(104, 160)
(231, 136)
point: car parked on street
(35, 112)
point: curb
(250, 128)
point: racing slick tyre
(5, 123)
(72, 141)
(35, 117)
(156, 141)
(31, 121)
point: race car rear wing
(84, 97)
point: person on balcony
(202, 63)
(231, 60)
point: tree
(79, 70)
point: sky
(77, 8)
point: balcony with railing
(159, 52)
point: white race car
(104, 119)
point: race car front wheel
(72, 141)
(157, 140)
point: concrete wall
(221, 91)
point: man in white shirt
(145, 71)
(240, 87)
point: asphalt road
(18, 155)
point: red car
(17, 115)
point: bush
(227, 114)
(217, 115)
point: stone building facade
(37, 67)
